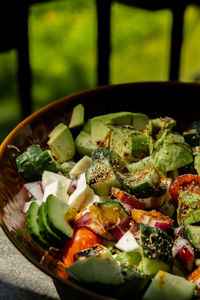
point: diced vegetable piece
(80, 167)
(61, 143)
(82, 194)
(156, 245)
(195, 277)
(188, 211)
(184, 252)
(168, 286)
(152, 218)
(128, 243)
(101, 177)
(142, 183)
(60, 216)
(192, 137)
(146, 162)
(94, 269)
(126, 198)
(185, 182)
(77, 118)
(32, 225)
(192, 233)
(129, 258)
(83, 238)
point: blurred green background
(63, 52)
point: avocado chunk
(142, 183)
(167, 286)
(32, 225)
(61, 143)
(146, 162)
(130, 144)
(197, 162)
(60, 215)
(77, 118)
(173, 153)
(94, 269)
(156, 245)
(101, 126)
(83, 141)
(192, 233)
(139, 121)
(188, 211)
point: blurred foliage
(63, 52)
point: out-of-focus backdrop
(62, 37)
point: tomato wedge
(185, 182)
(83, 238)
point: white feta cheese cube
(128, 243)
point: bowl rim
(47, 107)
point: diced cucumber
(60, 215)
(142, 183)
(156, 245)
(167, 286)
(44, 226)
(32, 225)
(101, 177)
(34, 161)
(192, 233)
(95, 269)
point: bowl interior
(158, 99)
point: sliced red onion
(35, 190)
(83, 220)
(161, 225)
(178, 244)
(184, 251)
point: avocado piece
(146, 162)
(156, 245)
(32, 225)
(173, 154)
(94, 269)
(44, 227)
(142, 183)
(101, 177)
(130, 144)
(60, 216)
(101, 126)
(140, 121)
(83, 141)
(167, 286)
(188, 211)
(192, 233)
(77, 118)
(61, 143)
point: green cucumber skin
(32, 225)
(56, 210)
(44, 227)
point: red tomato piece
(83, 238)
(185, 182)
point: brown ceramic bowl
(156, 99)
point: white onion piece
(35, 190)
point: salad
(119, 201)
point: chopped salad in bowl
(117, 200)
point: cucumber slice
(44, 226)
(32, 225)
(167, 286)
(142, 183)
(26, 168)
(101, 177)
(60, 215)
(192, 233)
